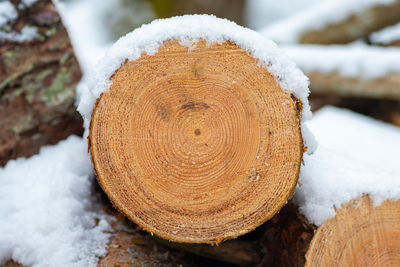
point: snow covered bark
(355, 26)
(38, 75)
(389, 36)
(335, 22)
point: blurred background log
(386, 87)
(355, 26)
(37, 83)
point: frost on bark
(37, 82)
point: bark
(238, 252)
(335, 84)
(286, 238)
(356, 26)
(11, 264)
(282, 241)
(380, 109)
(129, 246)
(37, 84)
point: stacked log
(37, 82)
(189, 157)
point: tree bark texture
(37, 84)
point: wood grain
(197, 145)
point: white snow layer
(27, 34)
(188, 30)
(356, 60)
(82, 21)
(317, 17)
(260, 13)
(356, 155)
(46, 213)
(386, 35)
(28, 3)
(7, 13)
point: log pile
(197, 158)
(354, 26)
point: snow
(28, 3)
(47, 215)
(356, 155)
(86, 20)
(356, 60)
(317, 17)
(387, 35)
(260, 13)
(82, 21)
(27, 34)
(188, 30)
(7, 13)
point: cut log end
(359, 235)
(197, 145)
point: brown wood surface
(359, 235)
(197, 146)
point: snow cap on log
(356, 155)
(196, 131)
(188, 30)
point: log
(196, 146)
(37, 82)
(317, 25)
(129, 246)
(351, 71)
(237, 252)
(386, 87)
(282, 241)
(389, 36)
(360, 234)
(355, 26)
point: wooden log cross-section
(197, 145)
(360, 234)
